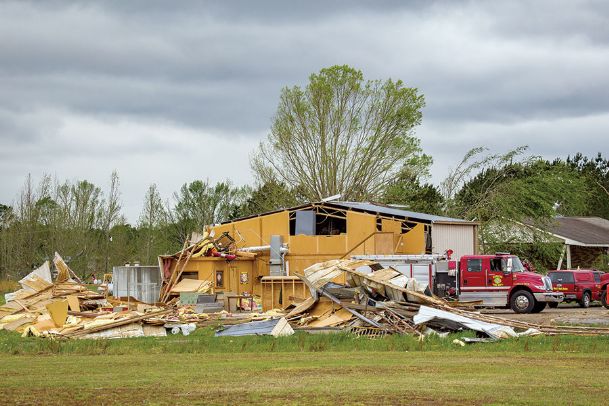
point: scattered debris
(376, 301)
(372, 302)
(273, 327)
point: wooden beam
(337, 301)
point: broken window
(497, 265)
(320, 222)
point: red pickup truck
(582, 286)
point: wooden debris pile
(223, 246)
(65, 308)
(376, 301)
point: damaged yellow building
(288, 241)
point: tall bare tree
(341, 135)
(152, 219)
(111, 213)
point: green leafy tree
(267, 197)
(341, 135)
(410, 190)
(199, 204)
(596, 173)
(511, 189)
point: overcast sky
(168, 92)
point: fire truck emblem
(497, 280)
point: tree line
(340, 134)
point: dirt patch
(564, 314)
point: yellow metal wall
(206, 268)
(362, 237)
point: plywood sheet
(58, 311)
(73, 303)
(334, 319)
(359, 227)
(391, 226)
(301, 307)
(384, 244)
(189, 285)
(322, 308)
(414, 240)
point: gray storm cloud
(168, 94)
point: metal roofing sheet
(587, 230)
(395, 211)
(369, 207)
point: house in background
(288, 241)
(586, 240)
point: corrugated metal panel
(459, 238)
(388, 210)
(140, 282)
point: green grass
(312, 369)
(438, 377)
(7, 286)
(202, 341)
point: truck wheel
(522, 302)
(604, 299)
(585, 302)
(539, 306)
(553, 305)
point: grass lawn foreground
(338, 369)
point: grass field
(337, 369)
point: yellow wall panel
(247, 232)
(383, 244)
(303, 244)
(391, 226)
(359, 227)
(222, 228)
(275, 224)
(414, 240)
(332, 244)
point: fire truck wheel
(585, 302)
(539, 306)
(604, 299)
(522, 302)
(553, 305)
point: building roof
(590, 231)
(375, 208)
(396, 211)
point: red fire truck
(498, 280)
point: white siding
(459, 238)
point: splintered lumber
(337, 301)
(166, 287)
(175, 276)
(118, 323)
(63, 273)
(363, 279)
(399, 323)
(170, 287)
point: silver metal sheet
(140, 282)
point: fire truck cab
(498, 280)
